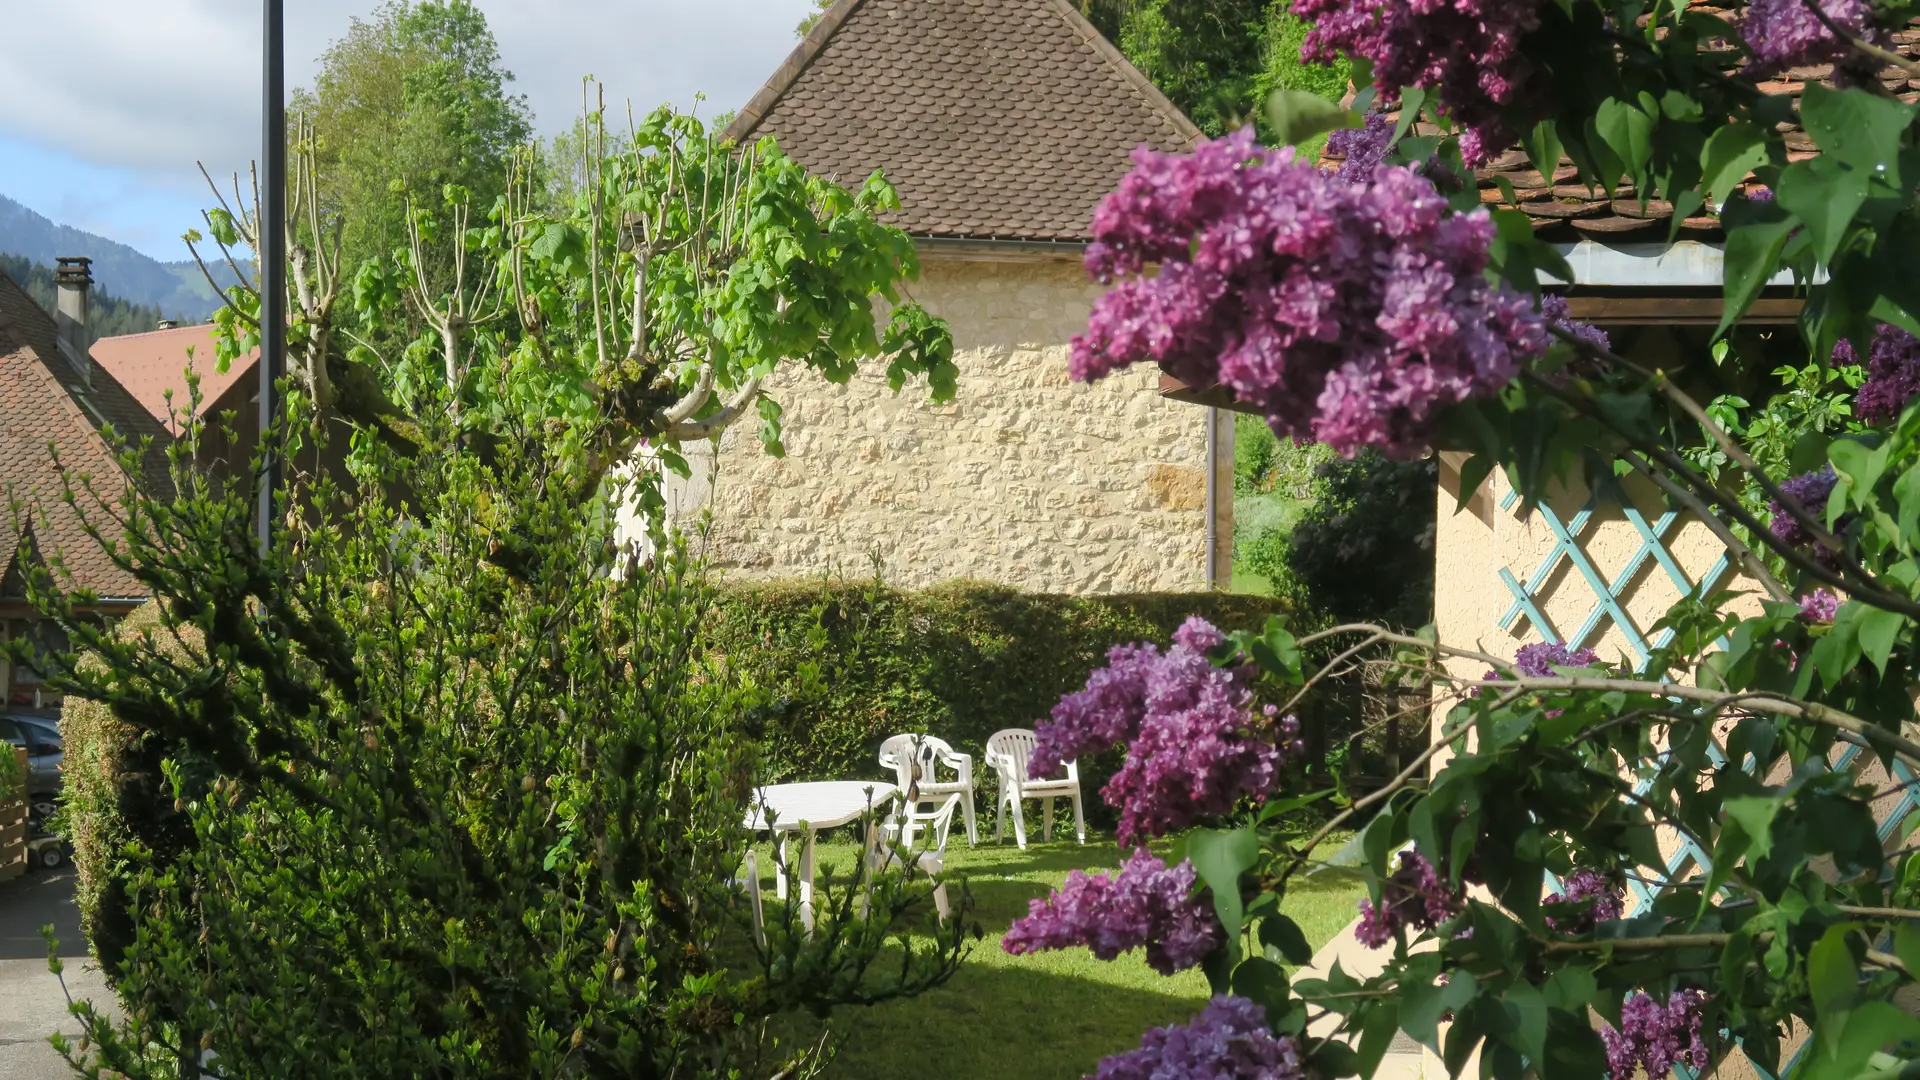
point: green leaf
(1422, 1004)
(1860, 465)
(1752, 256)
(1261, 980)
(1628, 133)
(1220, 857)
(1412, 100)
(1825, 193)
(1730, 154)
(1382, 1022)
(1285, 935)
(1297, 115)
(1528, 1010)
(1832, 977)
(1856, 127)
(1543, 149)
(1754, 814)
(1879, 629)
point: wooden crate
(13, 826)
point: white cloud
(151, 86)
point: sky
(109, 103)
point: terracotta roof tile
(993, 119)
(152, 364)
(44, 403)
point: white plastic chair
(1008, 752)
(887, 855)
(902, 753)
(749, 881)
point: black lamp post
(272, 253)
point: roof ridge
(802, 57)
(1133, 76)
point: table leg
(806, 882)
(780, 865)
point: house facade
(1001, 123)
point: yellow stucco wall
(1025, 478)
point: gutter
(1647, 264)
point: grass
(1039, 1017)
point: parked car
(41, 737)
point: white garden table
(810, 807)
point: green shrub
(856, 663)
(1363, 550)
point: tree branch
(689, 431)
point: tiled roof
(1562, 208)
(44, 403)
(151, 364)
(994, 119)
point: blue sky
(111, 102)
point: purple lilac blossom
(1590, 885)
(1819, 606)
(1540, 658)
(1553, 308)
(1350, 315)
(1228, 1040)
(1361, 149)
(1759, 194)
(1893, 373)
(1810, 490)
(1788, 33)
(1194, 743)
(1467, 50)
(1145, 904)
(1413, 896)
(1654, 1037)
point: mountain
(176, 288)
(107, 314)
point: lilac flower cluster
(1656, 1037)
(1553, 308)
(1810, 490)
(1414, 896)
(1146, 904)
(1589, 885)
(1349, 315)
(1228, 1040)
(1194, 743)
(1361, 149)
(1893, 373)
(1819, 606)
(1788, 33)
(1540, 658)
(1467, 50)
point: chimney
(75, 280)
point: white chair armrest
(960, 763)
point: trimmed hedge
(853, 664)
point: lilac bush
(1893, 374)
(1228, 1040)
(1784, 34)
(1466, 50)
(1353, 315)
(1656, 1037)
(1604, 902)
(1195, 744)
(1146, 903)
(1810, 490)
(1819, 606)
(1415, 895)
(1361, 149)
(1540, 658)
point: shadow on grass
(1006, 1023)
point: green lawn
(1041, 1017)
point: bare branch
(689, 431)
(694, 400)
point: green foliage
(455, 786)
(857, 662)
(414, 99)
(1363, 550)
(107, 314)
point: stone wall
(1024, 479)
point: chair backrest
(1010, 749)
(912, 759)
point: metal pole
(272, 253)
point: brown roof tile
(44, 403)
(1573, 211)
(994, 119)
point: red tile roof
(994, 119)
(154, 364)
(48, 409)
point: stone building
(1001, 123)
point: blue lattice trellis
(1529, 600)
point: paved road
(32, 1003)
